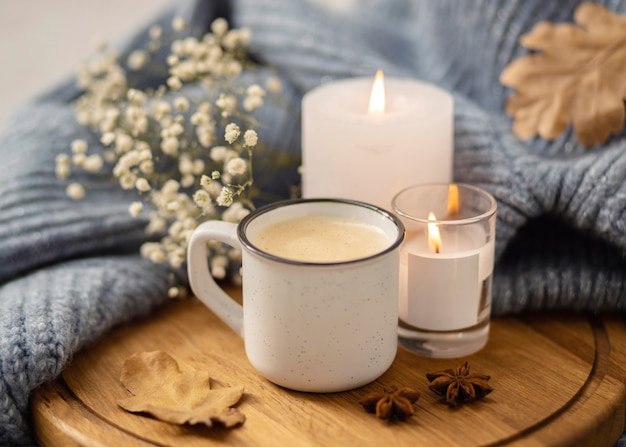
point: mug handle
(202, 283)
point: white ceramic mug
(308, 326)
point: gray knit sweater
(69, 271)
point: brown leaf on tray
(575, 76)
(176, 392)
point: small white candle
(354, 151)
(446, 268)
(442, 290)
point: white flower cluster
(189, 159)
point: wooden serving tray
(559, 380)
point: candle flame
(377, 97)
(453, 199)
(434, 237)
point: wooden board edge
(61, 420)
(602, 386)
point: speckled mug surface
(307, 326)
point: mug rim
(246, 243)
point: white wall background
(44, 41)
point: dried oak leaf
(576, 76)
(176, 392)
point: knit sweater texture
(70, 271)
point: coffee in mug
(320, 290)
(321, 238)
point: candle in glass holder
(366, 141)
(446, 268)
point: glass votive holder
(446, 268)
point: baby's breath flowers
(75, 191)
(187, 153)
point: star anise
(459, 386)
(391, 404)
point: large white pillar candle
(350, 151)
